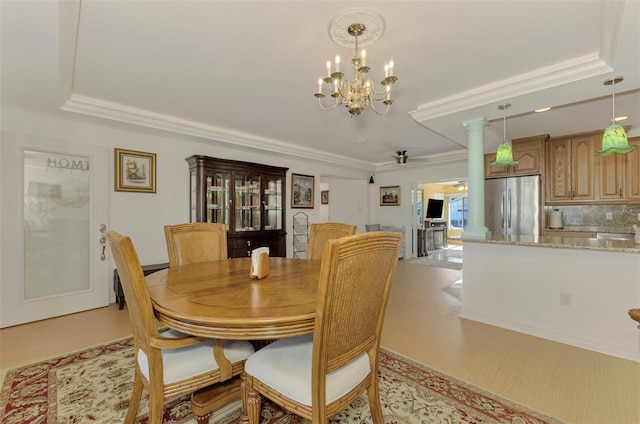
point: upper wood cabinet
(248, 198)
(574, 175)
(570, 170)
(528, 152)
(610, 171)
(632, 165)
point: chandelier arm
(330, 107)
(373, 106)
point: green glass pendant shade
(614, 140)
(504, 156)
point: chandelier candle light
(360, 93)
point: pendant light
(504, 154)
(614, 139)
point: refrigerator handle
(509, 209)
(502, 210)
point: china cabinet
(249, 198)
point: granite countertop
(625, 246)
(586, 229)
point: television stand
(437, 234)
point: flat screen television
(434, 208)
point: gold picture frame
(302, 191)
(135, 171)
(390, 196)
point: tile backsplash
(594, 217)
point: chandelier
(365, 27)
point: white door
(53, 210)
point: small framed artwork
(324, 197)
(390, 196)
(135, 171)
(302, 189)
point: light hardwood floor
(422, 322)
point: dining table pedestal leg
(208, 399)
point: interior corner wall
(349, 192)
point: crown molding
(567, 72)
(117, 112)
(552, 76)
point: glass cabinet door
(247, 203)
(218, 198)
(273, 203)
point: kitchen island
(571, 290)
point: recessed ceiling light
(620, 118)
(544, 109)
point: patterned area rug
(93, 386)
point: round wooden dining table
(219, 299)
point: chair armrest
(160, 342)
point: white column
(475, 162)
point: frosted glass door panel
(56, 224)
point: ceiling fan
(402, 158)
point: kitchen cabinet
(248, 198)
(618, 176)
(610, 171)
(632, 172)
(570, 169)
(528, 152)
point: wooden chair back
(321, 232)
(151, 345)
(195, 242)
(353, 291)
(135, 289)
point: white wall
(519, 288)
(143, 216)
(352, 192)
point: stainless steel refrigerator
(513, 205)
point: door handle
(502, 211)
(103, 240)
(509, 209)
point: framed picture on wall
(390, 196)
(324, 197)
(302, 189)
(135, 171)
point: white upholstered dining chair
(317, 375)
(168, 364)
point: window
(458, 211)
